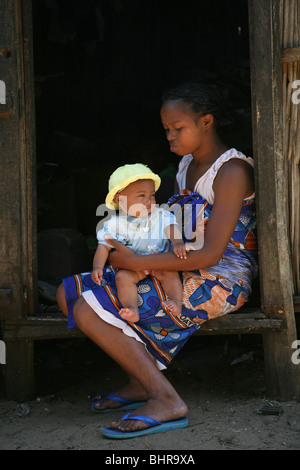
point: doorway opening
(100, 69)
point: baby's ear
(117, 198)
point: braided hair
(203, 99)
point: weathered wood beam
(17, 164)
(297, 303)
(54, 326)
(290, 54)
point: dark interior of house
(101, 67)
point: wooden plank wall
(276, 281)
(17, 162)
(270, 181)
(290, 58)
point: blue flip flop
(154, 427)
(126, 403)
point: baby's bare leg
(126, 282)
(173, 288)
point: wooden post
(274, 252)
(18, 267)
(19, 370)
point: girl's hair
(203, 99)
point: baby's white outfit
(144, 235)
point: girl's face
(184, 129)
(137, 199)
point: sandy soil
(224, 400)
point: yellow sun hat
(124, 176)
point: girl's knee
(78, 310)
(83, 314)
(61, 299)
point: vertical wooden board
(19, 373)
(264, 162)
(10, 247)
(275, 266)
(15, 171)
(290, 58)
(30, 273)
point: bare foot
(132, 391)
(173, 306)
(130, 313)
(162, 410)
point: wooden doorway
(75, 121)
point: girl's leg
(126, 282)
(164, 403)
(61, 299)
(173, 289)
(133, 390)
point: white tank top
(204, 185)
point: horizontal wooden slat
(241, 323)
(290, 54)
(54, 326)
(40, 327)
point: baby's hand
(97, 275)
(179, 250)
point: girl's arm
(176, 187)
(232, 184)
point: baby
(143, 227)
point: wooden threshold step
(52, 326)
(252, 322)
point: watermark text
(296, 94)
(2, 353)
(296, 355)
(2, 92)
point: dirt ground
(221, 379)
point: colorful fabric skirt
(204, 297)
(207, 294)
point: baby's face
(137, 199)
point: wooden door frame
(270, 180)
(20, 294)
(18, 277)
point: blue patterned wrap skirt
(207, 293)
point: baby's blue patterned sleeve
(102, 234)
(112, 229)
(109, 229)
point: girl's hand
(121, 256)
(97, 275)
(180, 250)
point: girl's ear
(207, 121)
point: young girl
(144, 228)
(217, 182)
